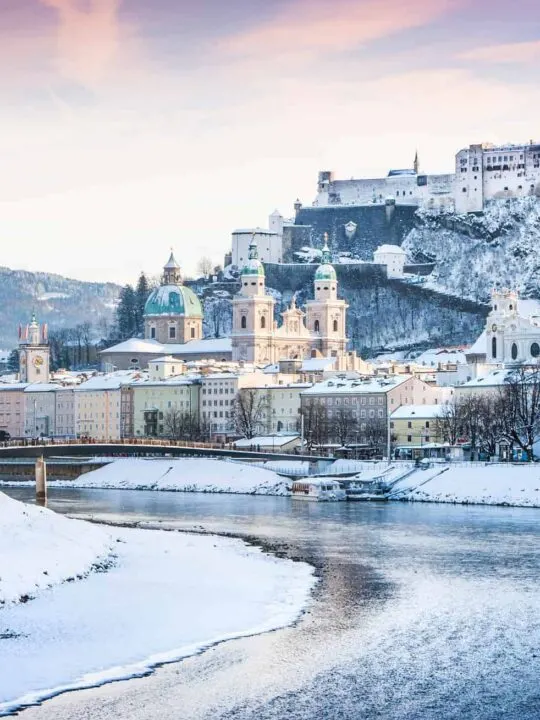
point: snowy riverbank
(166, 596)
(508, 484)
(184, 475)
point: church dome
(326, 272)
(253, 267)
(173, 300)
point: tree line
(509, 415)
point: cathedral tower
(34, 353)
(326, 314)
(253, 314)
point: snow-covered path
(168, 596)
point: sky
(130, 127)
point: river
(422, 611)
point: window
(335, 326)
(243, 322)
(514, 351)
(409, 424)
(152, 333)
(263, 322)
(192, 335)
(409, 438)
(494, 347)
(172, 332)
(535, 350)
(316, 326)
(427, 423)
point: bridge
(142, 448)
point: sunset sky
(128, 127)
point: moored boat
(320, 490)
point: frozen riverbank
(166, 596)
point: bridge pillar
(41, 481)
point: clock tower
(34, 352)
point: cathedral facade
(319, 332)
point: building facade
(319, 331)
(34, 353)
(269, 242)
(416, 425)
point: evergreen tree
(126, 313)
(13, 361)
(141, 296)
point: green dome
(253, 267)
(326, 272)
(173, 300)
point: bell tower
(171, 272)
(34, 352)
(253, 314)
(326, 314)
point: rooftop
(406, 412)
(356, 386)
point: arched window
(535, 349)
(192, 332)
(316, 326)
(243, 322)
(335, 326)
(494, 347)
(263, 322)
(510, 307)
(514, 351)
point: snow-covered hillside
(475, 252)
(39, 549)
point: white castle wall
(269, 245)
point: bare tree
(173, 424)
(520, 408)
(249, 412)
(205, 266)
(342, 426)
(491, 423)
(376, 434)
(449, 421)
(316, 425)
(178, 425)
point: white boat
(320, 490)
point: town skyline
(171, 126)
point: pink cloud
(508, 54)
(88, 40)
(315, 26)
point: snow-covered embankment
(166, 596)
(489, 484)
(182, 474)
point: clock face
(38, 361)
(494, 327)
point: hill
(59, 301)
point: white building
(98, 403)
(269, 244)
(393, 257)
(486, 172)
(512, 333)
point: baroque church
(319, 332)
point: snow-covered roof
(357, 386)
(112, 381)
(434, 356)
(318, 364)
(136, 345)
(479, 347)
(266, 440)
(493, 379)
(393, 249)
(166, 359)
(142, 346)
(4, 386)
(529, 308)
(43, 387)
(254, 231)
(406, 412)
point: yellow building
(415, 425)
(98, 405)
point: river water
(422, 611)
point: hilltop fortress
(482, 172)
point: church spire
(171, 271)
(416, 163)
(326, 257)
